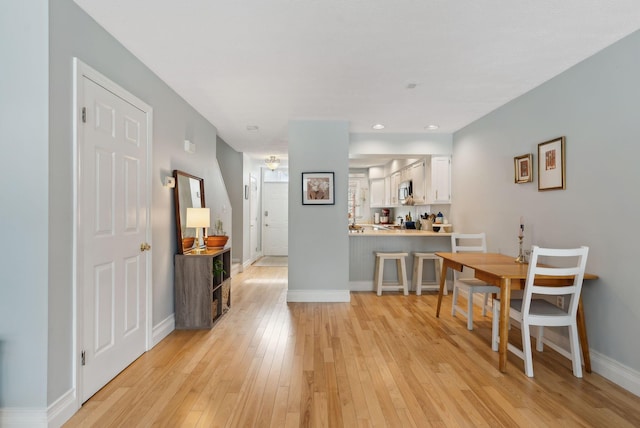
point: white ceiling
(265, 62)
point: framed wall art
(551, 165)
(318, 188)
(523, 166)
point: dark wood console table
(198, 292)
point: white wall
(318, 234)
(595, 105)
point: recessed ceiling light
(252, 127)
(378, 126)
(431, 127)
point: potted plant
(219, 238)
(218, 270)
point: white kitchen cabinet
(417, 174)
(440, 186)
(396, 178)
(377, 193)
(387, 191)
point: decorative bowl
(187, 243)
(217, 241)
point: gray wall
(36, 330)
(24, 205)
(230, 163)
(595, 105)
(318, 240)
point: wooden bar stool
(418, 260)
(401, 267)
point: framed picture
(317, 188)
(551, 165)
(523, 168)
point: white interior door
(275, 203)
(112, 234)
(254, 211)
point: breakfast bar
(364, 243)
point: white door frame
(80, 71)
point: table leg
(505, 298)
(582, 334)
(443, 282)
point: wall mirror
(189, 193)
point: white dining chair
(540, 312)
(469, 243)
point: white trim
(23, 418)
(312, 296)
(623, 376)
(163, 329)
(81, 70)
(62, 409)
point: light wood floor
(377, 361)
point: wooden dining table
(503, 271)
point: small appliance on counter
(384, 217)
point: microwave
(405, 189)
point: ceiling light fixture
(378, 126)
(431, 127)
(272, 162)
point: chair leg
(526, 349)
(484, 305)
(417, 275)
(454, 300)
(539, 336)
(402, 275)
(469, 310)
(377, 277)
(574, 343)
(495, 328)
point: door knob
(145, 247)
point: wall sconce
(272, 162)
(198, 218)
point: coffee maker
(384, 217)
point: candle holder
(521, 257)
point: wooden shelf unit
(198, 294)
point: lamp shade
(198, 217)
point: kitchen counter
(362, 251)
(366, 229)
(397, 233)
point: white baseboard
(315, 296)
(62, 409)
(618, 373)
(23, 418)
(53, 417)
(163, 329)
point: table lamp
(198, 218)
